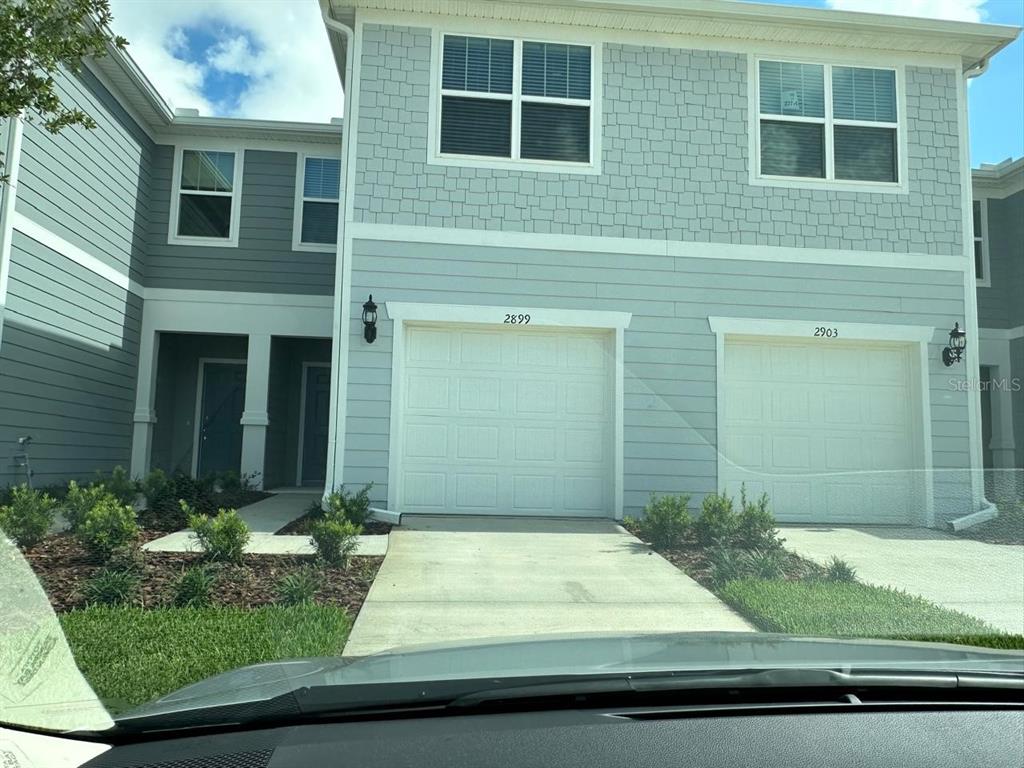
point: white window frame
(829, 181)
(231, 241)
(985, 281)
(300, 198)
(515, 162)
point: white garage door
(506, 421)
(830, 431)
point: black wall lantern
(370, 321)
(957, 344)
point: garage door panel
(476, 443)
(428, 393)
(535, 397)
(483, 349)
(476, 491)
(587, 353)
(842, 428)
(537, 351)
(587, 446)
(479, 395)
(427, 441)
(534, 444)
(586, 398)
(424, 490)
(430, 346)
(585, 494)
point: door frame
(198, 420)
(306, 365)
(791, 330)
(455, 315)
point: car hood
(594, 654)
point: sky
(270, 59)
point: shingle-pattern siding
(675, 161)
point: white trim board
(1001, 334)
(402, 313)
(724, 327)
(299, 207)
(200, 375)
(403, 233)
(306, 365)
(8, 198)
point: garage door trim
(744, 327)
(404, 313)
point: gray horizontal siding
(1002, 305)
(264, 260)
(90, 186)
(1017, 366)
(675, 161)
(67, 367)
(669, 353)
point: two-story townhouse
(664, 247)
(999, 267)
(194, 255)
(614, 250)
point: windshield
(343, 346)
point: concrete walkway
(983, 580)
(457, 578)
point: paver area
(452, 579)
(983, 580)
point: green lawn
(131, 656)
(831, 609)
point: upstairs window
(824, 121)
(516, 100)
(979, 213)
(204, 204)
(316, 210)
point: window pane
(864, 94)
(322, 178)
(865, 154)
(319, 222)
(976, 210)
(979, 262)
(477, 64)
(555, 132)
(476, 127)
(792, 89)
(555, 70)
(792, 149)
(204, 216)
(207, 171)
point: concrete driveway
(983, 580)
(448, 579)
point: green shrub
(666, 520)
(765, 563)
(335, 539)
(755, 524)
(112, 586)
(28, 517)
(354, 507)
(108, 526)
(80, 500)
(716, 525)
(727, 565)
(222, 538)
(840, 570)
(194, 587)
(158, 489)
(298, 588)
(119, 485)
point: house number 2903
(517, 319)
(828, 333)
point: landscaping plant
(717, 523)
(194, 587)
(112, 586)
(222, 538)
(354, 507)
(335, 539)
(79, 500)
(726, 565)
(119, 485)
(298, 588)
(28, 517)
(666, 520)
(840, 570)
(755, 524)
(108, 526)
(765, 563)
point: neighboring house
(615, 250)
(999, 266)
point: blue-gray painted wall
(1002, 304)
(674, 166)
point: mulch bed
(63, 567)
(300, 526)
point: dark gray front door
(314, 432)
(220, 428)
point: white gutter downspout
(8, 194)
(340, 320)
(985, 509)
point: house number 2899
(828, 333)
(517, 319)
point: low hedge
(852, 609)
(131, 656)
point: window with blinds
(318, 208)
(822, 121)
(542, 114)
(205, 195)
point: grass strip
(131, 656)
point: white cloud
(279, 45)
(957, 10)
